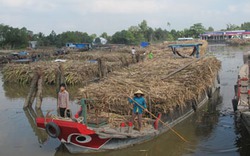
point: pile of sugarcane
(74, 72)
(238, 42)
(162, 90)
(93, 55)
(81, 67)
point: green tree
(123, 37)
(145, 31)
(13, 37)
(232, 27)
(149, 34)
(245, 26)
(210, 29)
(143, 26)
(106, 36)
(73, 37)
(93, 36)
(40, 38)
(160, 35)
(137, 34)
(196, 29)
(52, 38)
(86, 38)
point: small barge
(174, 89)
(241, 101)
(95, 134)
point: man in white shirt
(133, 52)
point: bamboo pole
(164, 123)
(181, 68)
(150, 105)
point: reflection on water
(15, 91)
(212, 130)
(207, 118)
(31, 117)
(243, 141)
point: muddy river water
(210, 131)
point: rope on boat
(52, 116)
(165, 124)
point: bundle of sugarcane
(105, 56)
(150, 76)
(74, 72)
(84, 68)
(16, 73)
(238, 42)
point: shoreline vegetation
(20, 38)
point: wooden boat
(22, 61)
(80, 135)
(241, 101)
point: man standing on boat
(139, 105)
(63, 100)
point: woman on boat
(63, 100)
(139, 105)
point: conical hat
(138, 92)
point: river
(211, 131)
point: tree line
(11, 38)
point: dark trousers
(139, 119)
(62, 112)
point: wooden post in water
(35, 92)
(61, 75)
(39, 97)
(32, 93)
(102, 68)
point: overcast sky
(97, 16)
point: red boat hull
(75, 133)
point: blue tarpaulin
(23, 53)
(144, 44)
(80, 45)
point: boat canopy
(196, 49)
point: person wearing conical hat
(137, 100)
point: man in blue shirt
(138, 110)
